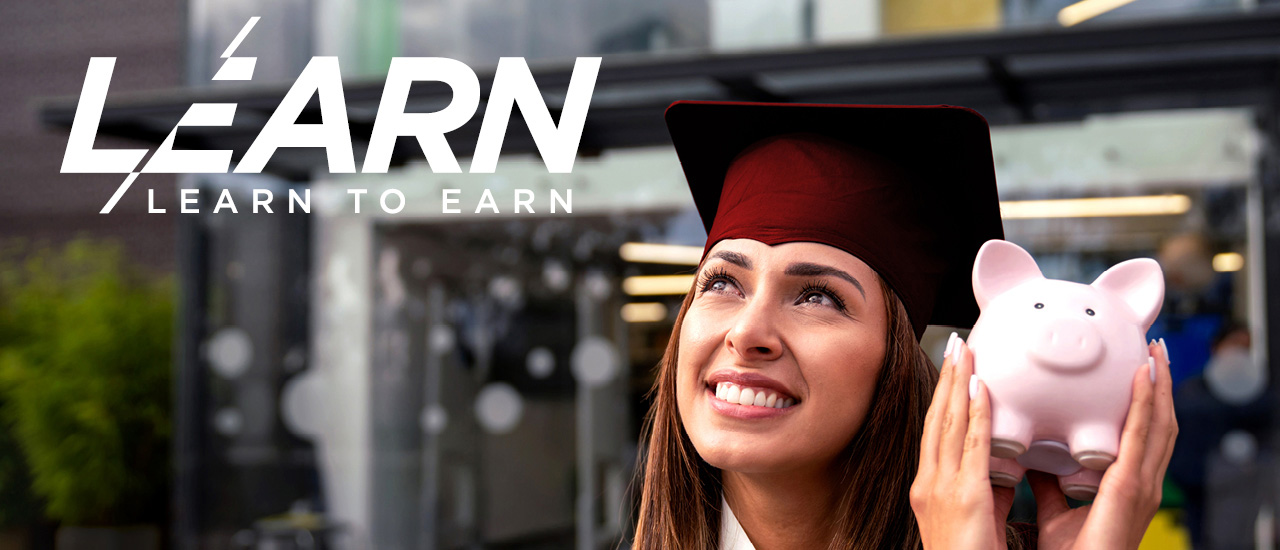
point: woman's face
(779, 354)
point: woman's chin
(749, 455)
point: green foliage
(17, 505)
(85, 381)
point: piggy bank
(1058, 359)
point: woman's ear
(1139, 284)
(1000, 266)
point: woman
(789, 409)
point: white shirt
(732, 537)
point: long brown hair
(680, 494)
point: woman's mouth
(736, 394)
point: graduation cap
(910, 190)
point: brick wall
(45, 48)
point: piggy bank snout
(1067, 343)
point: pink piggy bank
(1058, 359)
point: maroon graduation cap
(910, 190)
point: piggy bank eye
(1088, 312)
(1041, 306)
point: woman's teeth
(757, 397)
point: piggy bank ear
(1000, 266)
(1138, 283)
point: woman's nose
(754, 335)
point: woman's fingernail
(1165, 348)
(951, 343)
(973, 386)
(1151, 368)
(958, 352)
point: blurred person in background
(1223, 443)
(1197, 303)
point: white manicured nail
(1151, 362)
(1165, 348)
(973, 386)
(951, 343)
(958, 351)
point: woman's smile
(748, 395)
(756, 397)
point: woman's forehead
(785, 253)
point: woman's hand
(954, 502)
(1129, 495)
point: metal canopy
(1011, 76)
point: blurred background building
(427, 380)
(44, 52)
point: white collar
(732, 537)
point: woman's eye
(815, 298)
(718, 283)
(821, 297)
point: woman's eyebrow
(733, 258)
(805, 269)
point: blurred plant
(85, 361)
(18, 507)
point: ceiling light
(1227, 262)
(1149, 205)
(657, 285)
(647, 312)
(661, 253)
(1086, 10)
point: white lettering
(265, 202)
(486, 201)
(81, 157)
(224, 201)
(513, 84)
(323, 77)
(356, 193)
(168, 161)
(383, 200)
(447, 200)
(188, 199)
(566, 201)
(429, 128)
(151, 203)
(526, 202)
(303, 203)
